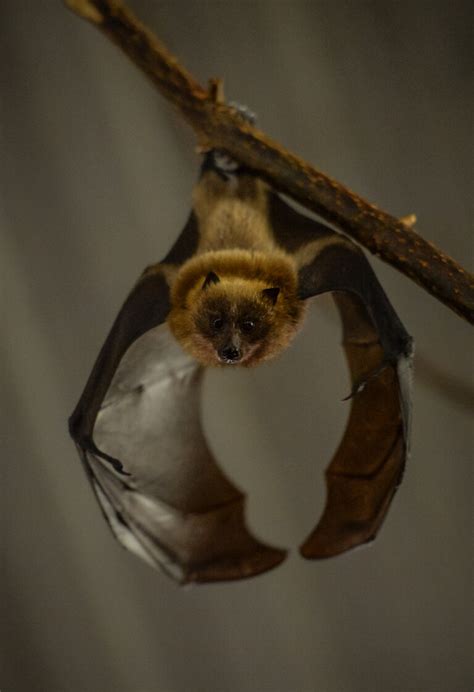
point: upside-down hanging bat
(236, 300)
(232, 290)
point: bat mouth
(244, 358)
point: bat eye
(218, 323)
(248, 326)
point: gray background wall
(97, 173)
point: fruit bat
(232, 291)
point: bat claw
(244, 112)
(115, 463)
(356, 389)
(361, 384)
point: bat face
(235, 307)
(236, 321)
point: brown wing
(368, 465)
(138, 431)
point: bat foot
(219, 160)
(244, 112)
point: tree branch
(219, 126)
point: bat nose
(230, 354)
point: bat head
(236, 317)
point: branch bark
(219, 126)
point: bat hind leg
(219, 160)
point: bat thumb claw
(115, 463)
(359, 387)
(356, 389)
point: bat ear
(211, 278)
(271, 294)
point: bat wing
(368, 465)
(138, 432)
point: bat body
(236, 300)
(233, 290)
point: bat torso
(232, 213)
(235, 300)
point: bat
(232, 291)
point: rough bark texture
(219, 126)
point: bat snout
(230, 354)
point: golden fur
(254, 281)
